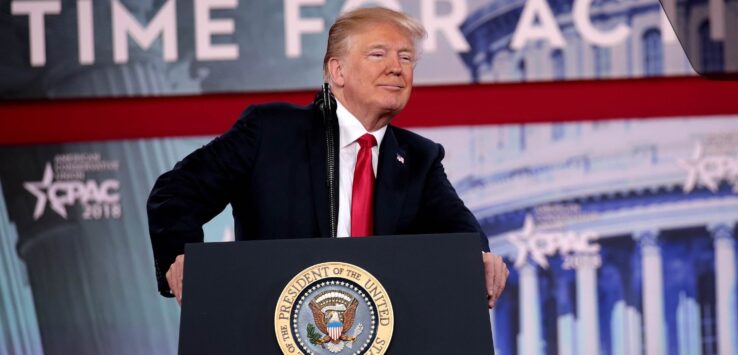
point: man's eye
(376, 54)
(406, 58)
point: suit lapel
(316, 148)
(392, 177)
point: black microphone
(325, 101)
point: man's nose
(394, 66)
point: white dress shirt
(350, 129)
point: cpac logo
(539, 244)
(61, 194)
(709, 171)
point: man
(271, 165)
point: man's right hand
(174, 277)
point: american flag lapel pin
(401, 159)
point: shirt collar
(350, 129)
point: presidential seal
(334, 308)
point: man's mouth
(393, 87)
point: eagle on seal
(333, 324)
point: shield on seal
(335, 329)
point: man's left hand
(495, 277)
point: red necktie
(362, 194)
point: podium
(420, 294)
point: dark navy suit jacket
(271, 167)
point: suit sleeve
(197, 189)
(442, 208)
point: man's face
(376, 74)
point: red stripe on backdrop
(54, 121)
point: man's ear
(335, 69)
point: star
(37, 189)
(529, 242)
(692, 168)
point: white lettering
(36, 10)
(60, 194)
(447, 24)
(601, 38)
(295, 26)
(206, 27)
(164, 24)
(547, 29)
(85, 30)
(667, 31)
(709, 171)
(539, 245)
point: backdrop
(620, 235)
(77, 48)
